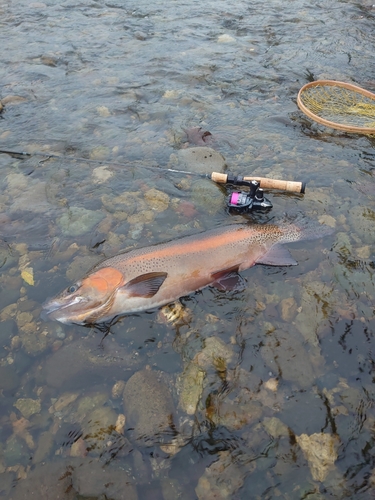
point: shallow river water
(264, 393)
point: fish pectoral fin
(228, 280)
(145, 285)
(277, 256)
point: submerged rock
(9, 379)
(16, 451)
(75, 478)
(156, 200)
(101, 174)
(174, 314)
(207, 196)
(313, 313)
(88, 403)
(226, 39)
(144, 216)
(286, 355)
(13, 100)
(27, 275)
(63, 402)
(101, 436)
(20, 430)
(28, 406)
(233, 414)
(83, 362)
(320, 451)
(215, 352)
(52, 480)
(198, 136)
(79, 220)
(80, 265)
(275, 427)
(362, 222)
(288, 309)
(44, 447)
(93, 480)
(202, 160)
(118, 389)
(220, 480)
(127, 202)
(78, 448)
(100, 418)
(149, 407)
(32, 198)
(33, 343)
(191, 387)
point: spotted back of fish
(221, 244)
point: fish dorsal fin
(228, 279)
(145, 285)
(277, 256)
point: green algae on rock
(28, 406)
(79, 220)
(191, 387)
(156, 200)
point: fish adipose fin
(277, 256)
(145, 285)
(228, 280)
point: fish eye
(72, 289)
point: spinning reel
(244, 201)
(253, 198)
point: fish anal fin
(228, 279)
(277, 256)
(145, 285)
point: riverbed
(266, 392)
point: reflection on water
(263, 393)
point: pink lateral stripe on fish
(153, 276)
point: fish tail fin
(301, 228)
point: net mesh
(340, 105)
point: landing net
(339, 105)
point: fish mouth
(52, 309)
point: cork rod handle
(265, 182)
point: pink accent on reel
(234, 198)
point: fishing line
(48, 156)
(220, 178)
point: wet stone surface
(77, 363)
(149, 407)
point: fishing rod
(240, 201)
(265, 182)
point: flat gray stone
(202, 160)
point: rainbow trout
(153, 276)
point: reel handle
(265, 182)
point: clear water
(118, 82)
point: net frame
(355, 92)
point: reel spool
(244, 201)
